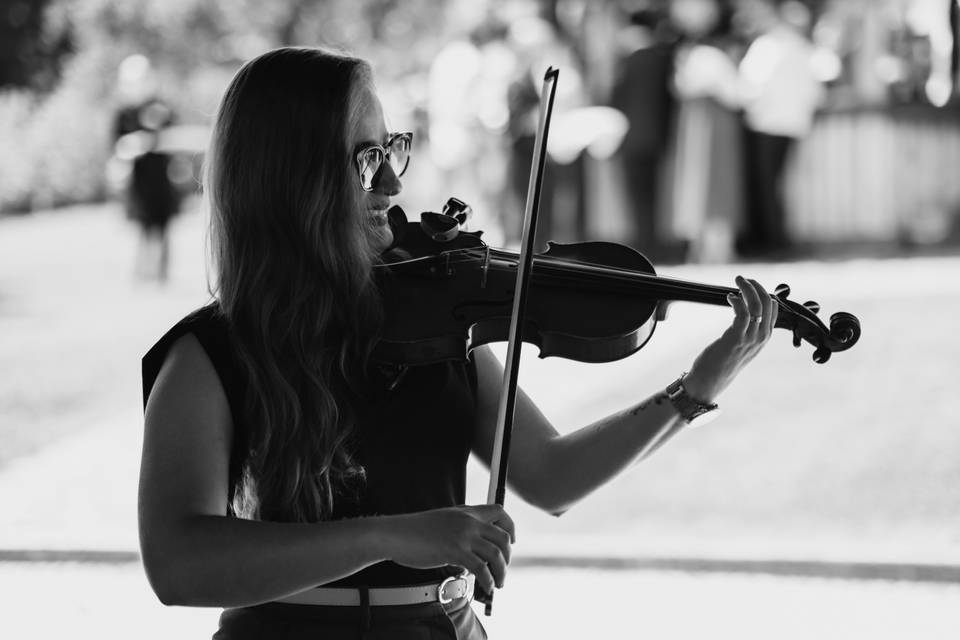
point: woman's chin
(380, 237)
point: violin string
(610, 270)
(657, 285)
(660, 281)
(557, 270)
(652, 283)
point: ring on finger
(756, 318)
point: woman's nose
(388, 182)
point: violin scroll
(845, 327)
(806, 326)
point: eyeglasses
(396, 152)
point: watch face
(675, 390)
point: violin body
(445, 292)
(442, 308)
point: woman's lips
(378, 217)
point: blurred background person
(641, 91)
(705, 177)
(467, 114)
(780, 96)
(150, 195)
(562, 215)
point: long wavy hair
(293, 274)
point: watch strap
(686, 405)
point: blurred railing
(876, 175)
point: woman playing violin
(278, 457)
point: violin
(445, 292)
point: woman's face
(369, 130)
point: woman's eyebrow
(369, 143)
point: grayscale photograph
(470, 319)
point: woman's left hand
(718, 364)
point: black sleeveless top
(412, 440)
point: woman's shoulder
(208, 316)
(210, 328)
(207, 323)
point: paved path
(45, 601)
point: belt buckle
(443, 585)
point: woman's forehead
(370, 122)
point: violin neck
(680, 290)
(631, 283)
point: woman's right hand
(477, 538)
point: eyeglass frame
(385, 150)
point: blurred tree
(32, 44)
(190, 40)
(58, 138)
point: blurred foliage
(33, 42)
(58, 137)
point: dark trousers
(280, 621)
(765, 228)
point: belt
(452, 588)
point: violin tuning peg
(457, 209)
(812, 306)
(821, 355)
(782, 291)
(796, 339)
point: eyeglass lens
(397, 152)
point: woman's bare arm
(553, 472)
(193, 553)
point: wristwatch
(691, 410)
